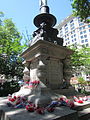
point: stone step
(84, 114)
(60, 113)
(80, 107)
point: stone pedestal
(48, 62)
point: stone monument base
(48, 63)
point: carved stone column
(26, 71)
(67, 70)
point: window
(60, 31)
(75, 39)
(67, 38)
(87, 45)
(80, 28)
(86, 40)
(81, 24)
(66, 28)
(72, 28)
(82, 41)
(69, 42)
(71, 21)
(71, 32)
(65, 25)
(74, 35)
(83, 27)
(67, 35)
(60, 28)
(66, 32)
(81, 32)
(85, 36)
(81, 37)
(72, 25)
(84, 31)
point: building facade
(73, 31)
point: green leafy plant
(81, 8)
(81, 80)
(10, 48)
(80, 59)
(9, 88)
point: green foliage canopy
(81, 80)
(80, 59)
(9, 38)
(81, 8)
(10, 48)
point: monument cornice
(48, 49)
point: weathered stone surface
(47, 62)
(84, 114)
(83, 106)
(60, 113)
(24, 91)
(26, 71)
(41, 101)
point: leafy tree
(80, 59)
(28, 38)
(86, 59)
(8, 88)
(81, 80)
(81, 8)
(10, 38)
(10, 48)
(81, 85)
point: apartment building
(73, 31)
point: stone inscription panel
(55, 71)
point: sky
(23, 12)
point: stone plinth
(47, 62)
(60, 113)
